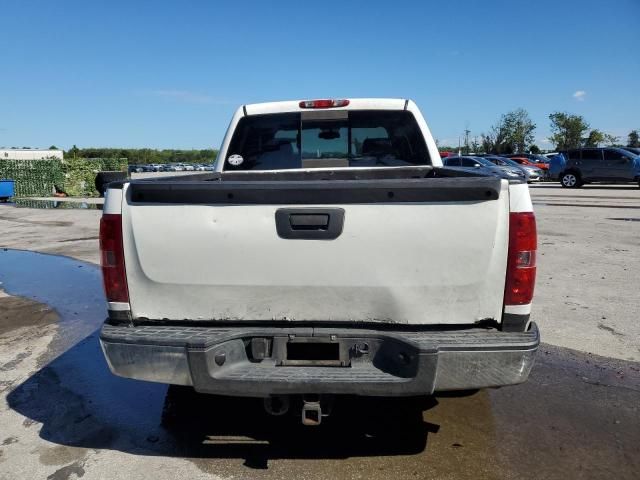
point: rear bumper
(253, 361)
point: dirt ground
(64, 416)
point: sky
(165, 74)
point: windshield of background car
(495, 160)
(511, 163)
(504, 162)
(484, 161)
(327, 138)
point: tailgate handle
(309, 223)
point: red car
(530, 159)
(527, 161)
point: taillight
(521, 263)
(325, 103)
(112, 258)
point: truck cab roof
(351, 104)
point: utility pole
(466, 140)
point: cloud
(448, 142)
(187, 96)
(544, 142)
(579, 95)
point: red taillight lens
(112, 258)
(325, 103)
(521, 264)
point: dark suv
(611, 165)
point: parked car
(535, 160)
(140, 168)
(524, 161)
(204, 167)
(322, 260)
(484, 165)
(532, 174)
(557, 164)
(610, 164)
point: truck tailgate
(412, 251)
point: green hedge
(75, 176)
(80, 174)
(34, 178)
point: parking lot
(63, 415)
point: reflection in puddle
(58, 204)
(73, 288)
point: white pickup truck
(329, 253)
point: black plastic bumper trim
(512, 322)
(120, 316)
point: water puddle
(73, 288)
(74, 394)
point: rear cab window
(327, 139)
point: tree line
(140, 156)
(514, 133)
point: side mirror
(477, 165)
